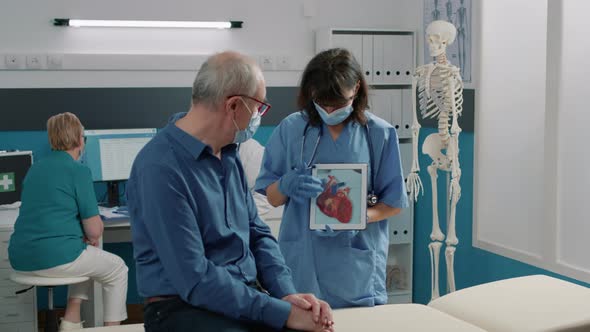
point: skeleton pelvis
(433, 146)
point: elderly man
(205, 260)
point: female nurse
(345, 268)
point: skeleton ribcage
(434, 84)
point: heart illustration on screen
(334, 201)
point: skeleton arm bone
(455, 187)
(454, 143)
(414, 183)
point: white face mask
(245, 134)
(336, 117)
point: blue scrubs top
(343, 270)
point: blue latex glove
(329, 232)
(300, 186)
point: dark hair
(324, 79)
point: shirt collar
(191, 144)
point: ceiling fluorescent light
(146, 24)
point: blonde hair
(64, 131)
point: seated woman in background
(58, 229)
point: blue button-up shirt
(196, 232)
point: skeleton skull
(440, 34)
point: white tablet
(343, 203)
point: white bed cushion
(398, 317)
(122, 328)
(386, 318)
(527, 304)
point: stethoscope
(372, 199)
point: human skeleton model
(440, 92)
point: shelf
(400, 243)
(399, 292)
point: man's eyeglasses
(262, 109)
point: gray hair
(225, 74)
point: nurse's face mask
(334, 115)
(243, 135)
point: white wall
(532, 184)
(573, 226)
(509, 163)
(270, 28)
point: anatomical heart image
(334, 201)
(343, 202)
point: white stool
(50, 283)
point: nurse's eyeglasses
(262, 109)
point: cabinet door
(16, 313)
(380, 104)
(396, 110)
(407, 114)
(5, 278)
(8, 294)
(407, 57)
(378, 59)
(389, 60)
(400, 51)
(406, 154)
(367, 59)
(353, 43)
(401, 227)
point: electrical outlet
(266, 62)
(54, 61)
(13, 61)
(283, 62)
(34, 61)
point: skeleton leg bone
(437, 234)
(449, 257)
(434, 248)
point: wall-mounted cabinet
(386, 56)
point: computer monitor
(110, 154)
(13, 168)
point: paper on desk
(111, 213)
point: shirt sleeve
(167, 215)
(390, 186)
(273, 273)
(274, 161)
(84, 192)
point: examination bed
(527, 304)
